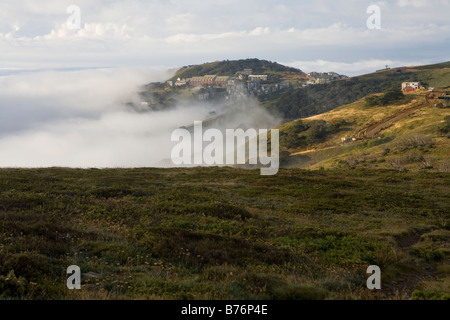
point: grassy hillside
(298, 102)
(441, 65)
(418, 138)
(312, 100)
(223, 234)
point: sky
(64, 90)
(326, 35)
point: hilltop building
(322, 78)
(410, 86)
(195, 81)
(180, 82)
(208, 80)
(258, 77)
(215, 86)
(244, 74)
(221, 81)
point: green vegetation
(231, 67)
(445, 127)
(389, 97)
(220, 233)
(303, 133)
(417, 138)
(300, 102)
(312, 100)
(441, 65)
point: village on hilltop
(245, 84)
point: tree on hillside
(391, 96)
(317, 131)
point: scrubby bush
(445, 127)
(429, 255)
(317, 131)
(377, 142)
(291, 138)
(11, 286)
(444, 166)
(301, 133)
(429, 295)
(299, 292)
(398, 163)
(413, 141)
(391, 96)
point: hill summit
(232, 67)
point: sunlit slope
(410, 134)
(311, 100)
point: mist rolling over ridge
(84, 119)
(224, 156)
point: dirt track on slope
(374, 129)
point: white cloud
(259, 31)
(116, 139)
(138, 32)
(413, 3)
(183, 37)
(180, 22)
(91, 30)
(80, 119)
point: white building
(410, 85)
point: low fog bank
(83, 119)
